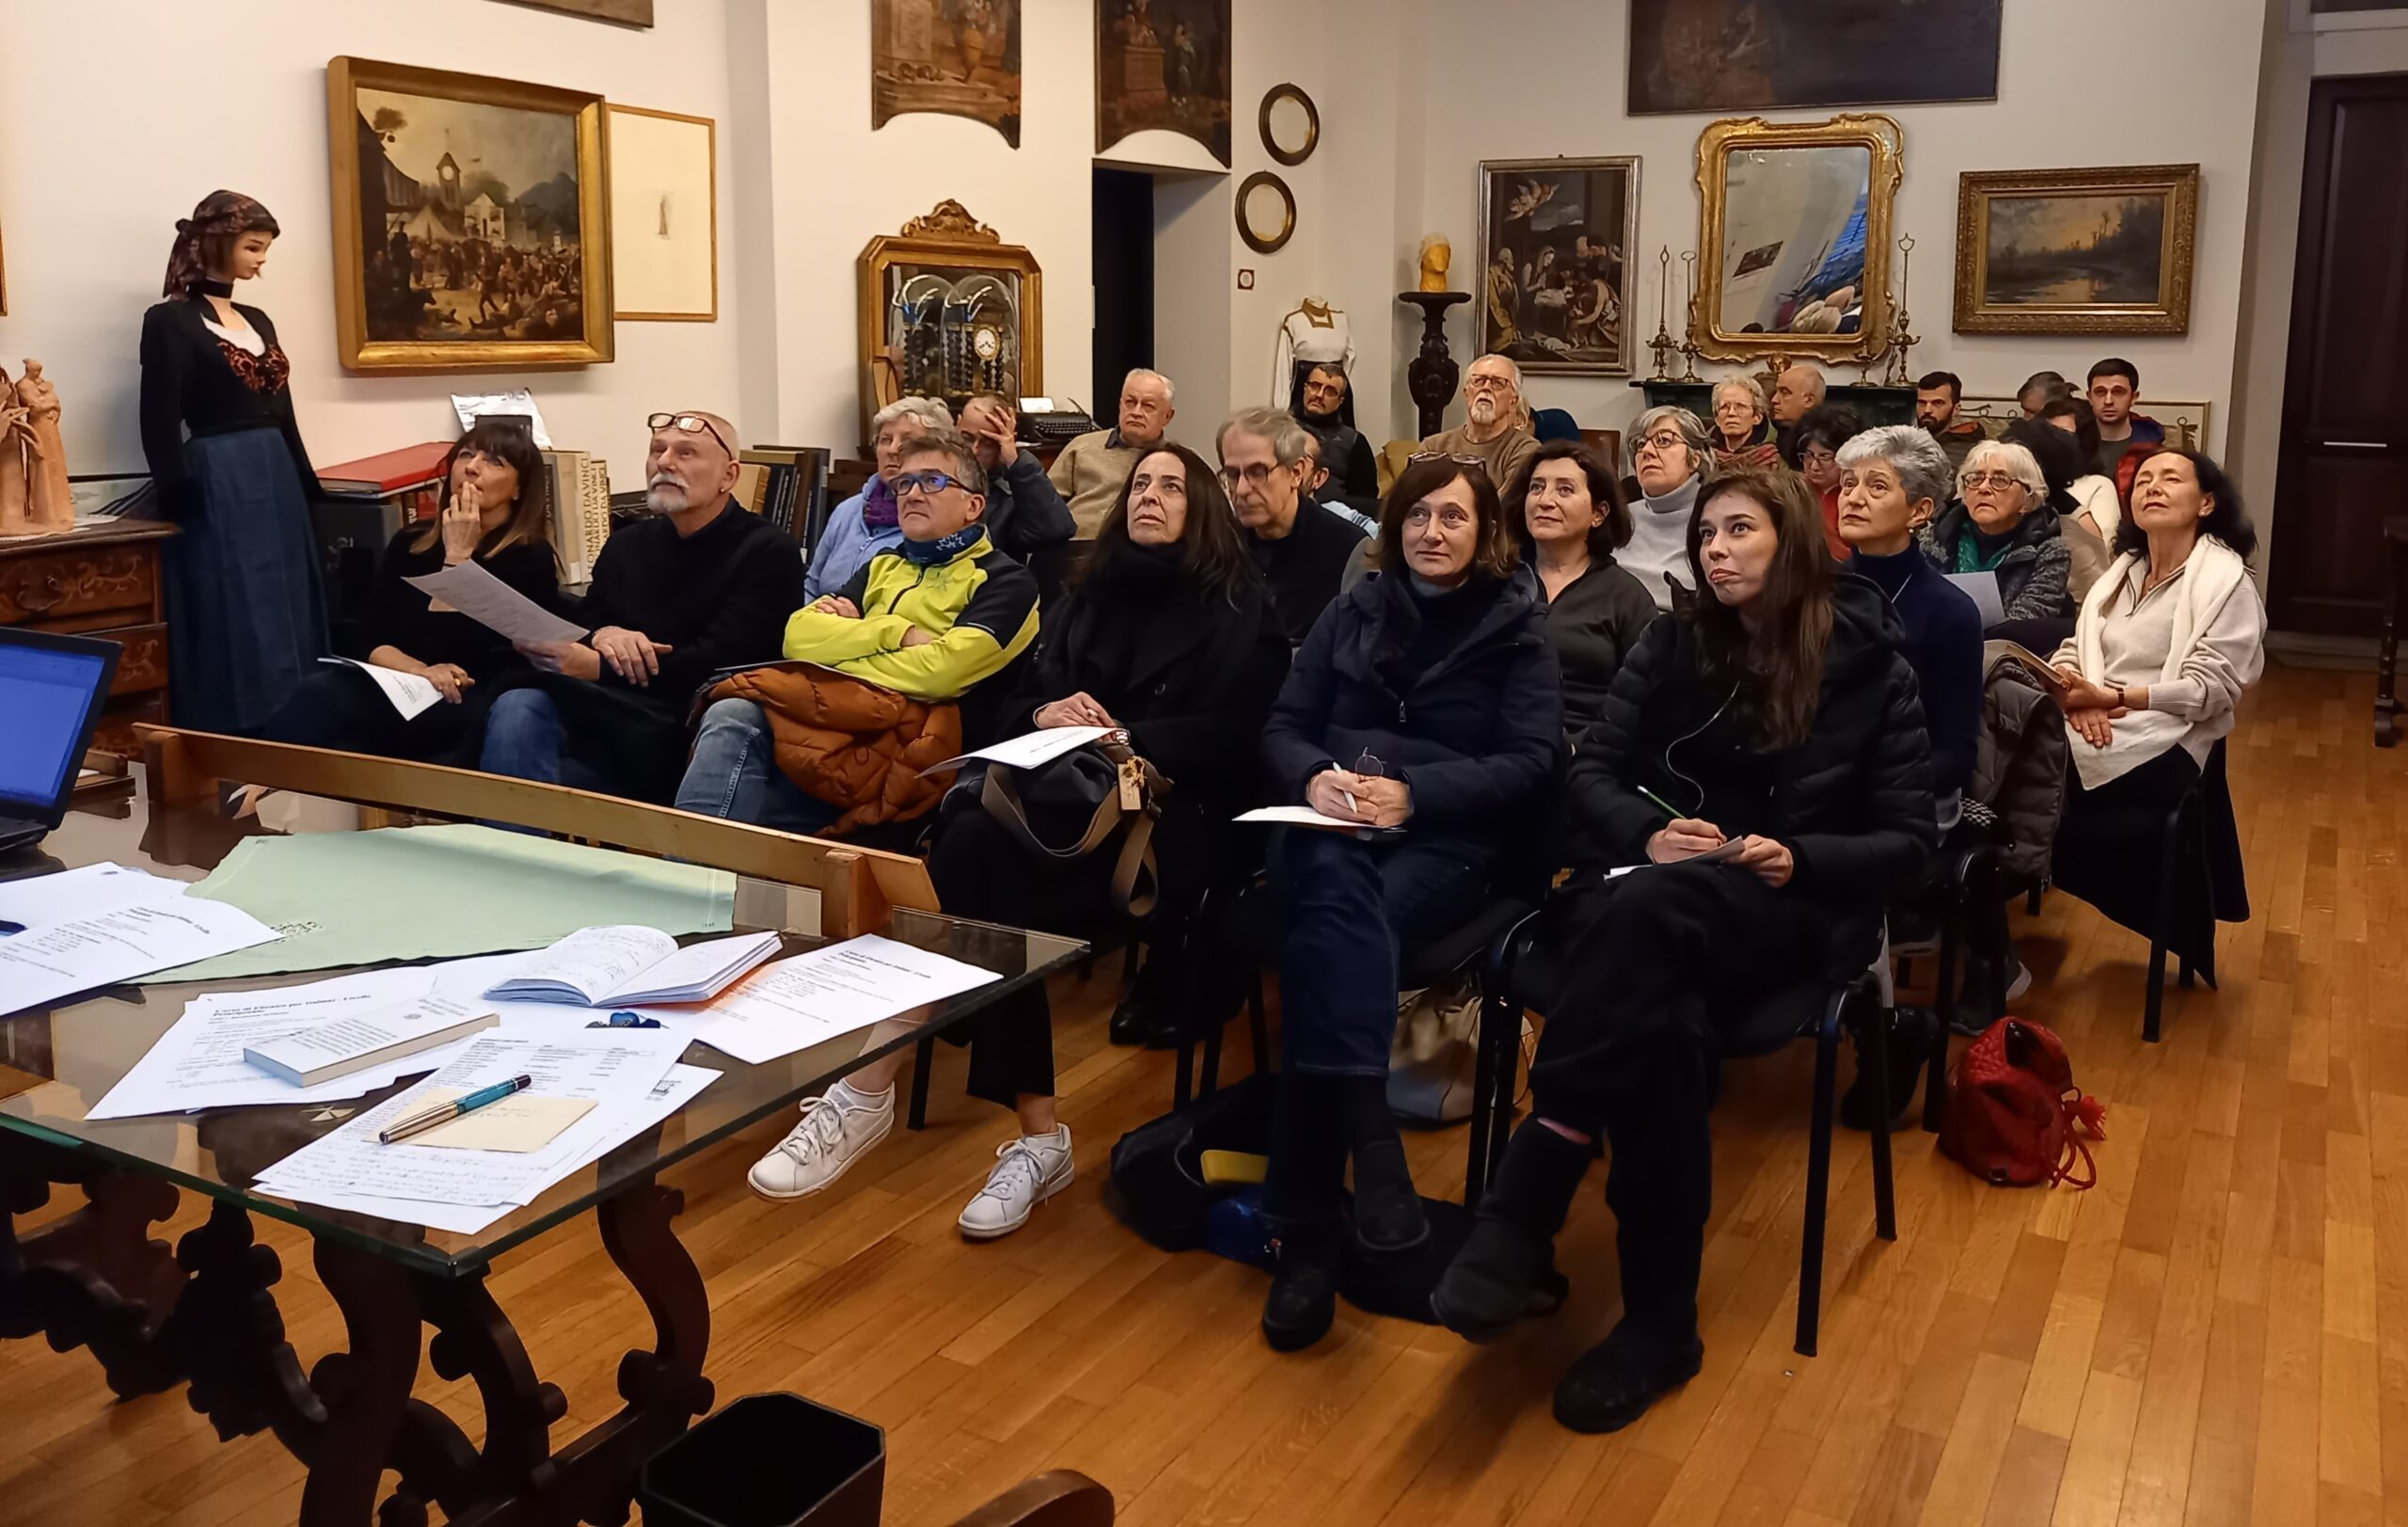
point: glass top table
(80, 1049)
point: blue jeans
(526, 740)
(734, 774)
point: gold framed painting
(664, 216)
(1794, 237)
(949, 311)
(2076, 251)
(471, 220)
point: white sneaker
(835, 1131)
(1028, 1170)
(2020, 983)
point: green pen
(1667, 806)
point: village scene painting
(956, 57)
(470, 222)
(1165, 64)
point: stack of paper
(626, 965)
(626, 1074)
(368, 1040)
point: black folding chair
(2183, 846)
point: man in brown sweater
(1091, 469)
(1494, 431)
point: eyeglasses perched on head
(930, 483)
(1480, 462)
(688, 425)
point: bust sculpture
(1436, 254)
(50, 501)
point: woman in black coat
(1567, 513)
(1168, 636)
(1778, 715)
(1427, 700)
(495, 515)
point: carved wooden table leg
(94, 1277)
(361, 1394)
(437, 1462)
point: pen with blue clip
(443, 1113)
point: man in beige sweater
(1494, 431)
(1091, 469)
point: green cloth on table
(411, 893)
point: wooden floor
(2217, 1334)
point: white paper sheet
(494, 604)
(37, 900)
(680, 1087)
(1307, 817)
(695, 973)
(1041, 746)
(197, 1063)
(44, 964)
(784, 1007)
(1982, 588)
(411, 696)
(618, 1068)
(471, 406)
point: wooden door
(2345, 406)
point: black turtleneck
(1447, 618)
(1305, 566)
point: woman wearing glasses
(1670, 463)
(1778, 715)
(1743, 432)
(1425, 707)
(1813, 452)
(2002, 523)
(493, 514)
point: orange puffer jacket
(852, 744)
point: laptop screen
(46, 696)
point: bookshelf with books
(579, 483)
(783, 485)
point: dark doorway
(2345, 400)
(1124, 282)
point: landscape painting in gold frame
(471, 220)
(2076, 251)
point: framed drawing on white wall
(664, 215)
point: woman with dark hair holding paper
(1168, 635)
(1778, 714)
(1425, 699)
(493, 514)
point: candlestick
(1690, 349)
(1662, 344)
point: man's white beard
(1484, 410)
(666, 495)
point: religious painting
(1750, 55)
(2076, 251)
(1163, 63)
(1555, 285)
(955, 57)
(471, 220)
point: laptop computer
(51, 691)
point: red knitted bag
(2015, 1117)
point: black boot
(1613, 1383)
(1511, 1252)
(1906, 1045)
(1388, 1217)
(1140, 1010)
(1301, 1188)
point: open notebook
(628, 964)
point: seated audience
(1167, 634)
(495, 516)
(1300, 548)
(2003, 524)
(1324, 405)
(1494, 429)
(1670, 463)
(702, 584)
(1024, 511)
(1567, 513)
(930, 618)
(865, 525)
(1892, 478)
(1811, 447)
(1743, 432)
(1316, 487)
(2125, 436)
(2160, 655)
(2096, 505)
(2037, 390)
(1798, 390)
(1427, 699)
(2062, 464)
(1091, 469)
(1938, 396)
(1780, 714)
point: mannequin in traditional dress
(1313, 333)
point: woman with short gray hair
(866, 524)
(2002, 524)
(1669, 453)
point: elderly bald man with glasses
(697, 585)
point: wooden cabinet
(99, 580)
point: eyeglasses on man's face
(1253, 475)
(928, 483)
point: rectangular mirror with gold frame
(1795, 237)
(949, 311)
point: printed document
(39, 901)
(794, 1003)
(410, 693)
(494, 604)
(44, 964)
(1038, 747)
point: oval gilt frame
(1312, 124)
(1259, 242)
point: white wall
(148, 106)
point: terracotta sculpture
(13, 518)
(1436, 254)
(48, 499)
